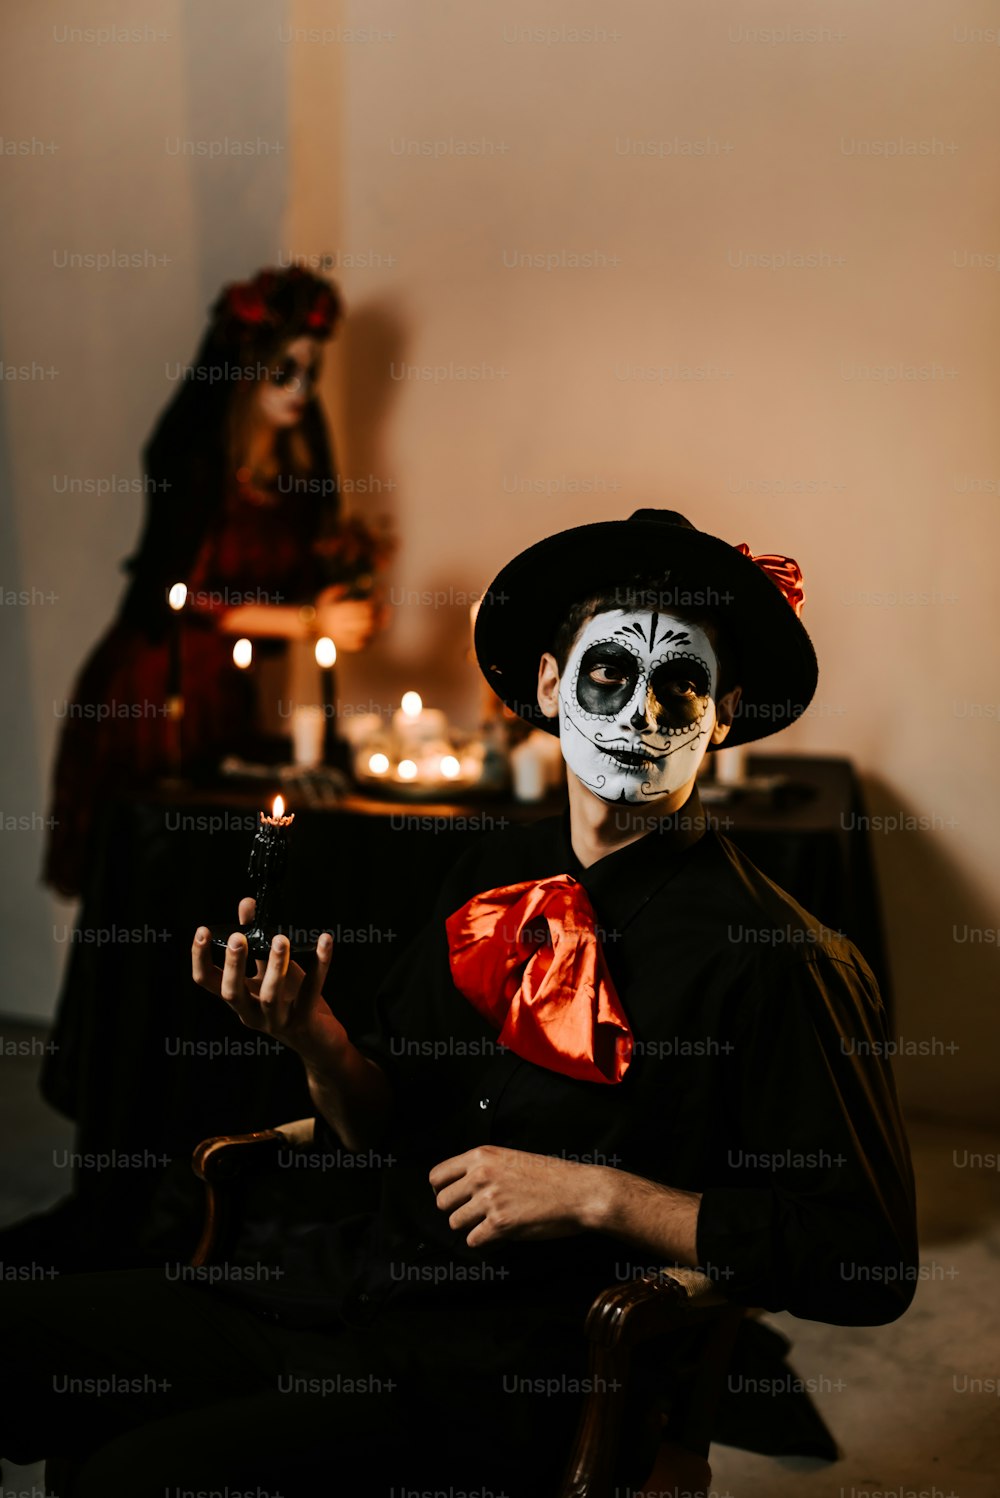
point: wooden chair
(677, 1308)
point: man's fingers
(203, 969)
(233, 986)
(467, 1217)
(272, 983)
(448, 1170)
(312, 985)
(455, 1195)
(248, 909)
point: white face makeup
(281, 400)
(636, 704)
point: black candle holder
(336, 751)
(266, 871)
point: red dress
(118, 734)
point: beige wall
(891, 487)
(114, 180)
(762, 147)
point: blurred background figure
(243, 510)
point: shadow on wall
(944, 950)
(374, 339)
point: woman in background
(242, 508)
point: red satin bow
(784, 572)
(528, 958)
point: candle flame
(450, 766)
(378, 764)
(243, 654)
(407, 769)
(278, 809)
(326, 651)
(412, 704)
(177, 597)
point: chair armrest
(620, 1318)
(298, 1133)
(220, 1160)
(650, 1306)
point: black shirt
(760, 1078)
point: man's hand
(502, 1193)
(281, 1000)
(492, 1193)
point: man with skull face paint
(616, 1044)
(636, 702)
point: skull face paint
(636, 704)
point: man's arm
(352, 1093)
(492, 1193)
(812, 1210)
(287, 1003)
(659, 1218)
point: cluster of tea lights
(417, 750)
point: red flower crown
(279, 304)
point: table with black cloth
(147, 1064)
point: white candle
(730, 765)
(308, 726)
(529, 771)
(415, 726)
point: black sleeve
(813, 1211)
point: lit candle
(176, 598)
(243, 654)
(268, 857)
(416, 726)
(326, 659)
(174, 706)
(326, 652)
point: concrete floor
(914, 1406)
(911, 1417)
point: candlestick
(268, 859)
(176, 598)
(326, 659)
(335, 751)
(174, 706)
(266, 870)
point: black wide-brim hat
(696, 575)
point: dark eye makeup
(607, 678)
(291, 369)
(609, 674)
(679, 678)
